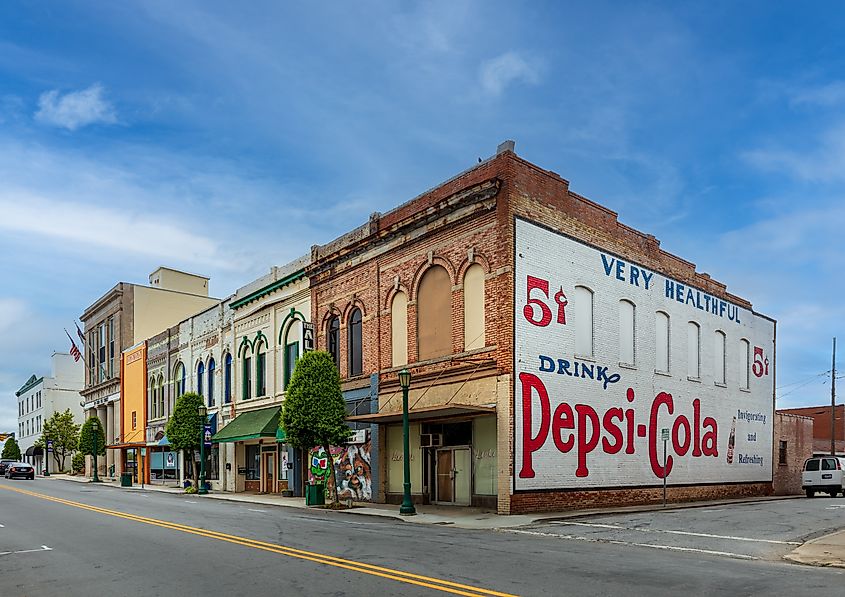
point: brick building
(793, 445)
(550, 347)
(822, 428)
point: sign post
(664, 435)
(47, 458)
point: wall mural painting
(352, 466)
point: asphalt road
(65, 538)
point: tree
(64, 432)
(11, 450)
(78, 463)
(185, 426)
(86, 438)
(314, 412)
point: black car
(20, 469)
(4, 464)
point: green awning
(254, 424)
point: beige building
(122, 317)
(270, 318)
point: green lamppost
(407, 507)
(95, 430)
(48, 447)
(204, 418)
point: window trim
(354, 327)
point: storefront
(34, 455)
(261, 456)
(453, 457)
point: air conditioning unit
(431, 440)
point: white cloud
(497, 73)
(818, 158)
(824, 95)
(75, 109)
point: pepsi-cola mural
(596, 419)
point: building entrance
(453, 474)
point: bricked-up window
(782, 452)
(354, 348)
(474, 307)
(333, 340)
(211, 371)
(627, 332)
(661, 346)
(247, 387)
(693, 350)
(434, 314)
(227, 379)
(399, 329)
(744, 364)
(719, 369)
(200, 374)
(582, 303)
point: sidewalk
(828, 550)
(455, 516)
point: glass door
(462, 467)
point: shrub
(190, 489)
(78, 463)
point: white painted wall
(598, 434)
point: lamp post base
(407, 510)
(202, 491)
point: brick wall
(797, 432)
(821, 426)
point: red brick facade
(470, 219)
(792, 446)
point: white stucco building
(40, 397)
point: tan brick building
(439, 284)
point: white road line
(2, 526)
(253, 510)
(42, 548)
(670, 532)
(740, 556)
(190, 502)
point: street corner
(825, 551)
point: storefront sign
(586, 416)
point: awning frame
(428, 413)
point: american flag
(74, 351)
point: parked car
(3, 464)
(823, 474)
(20, 469)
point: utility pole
(833, 402)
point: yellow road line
(362, 567)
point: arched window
(178, 380)
(161, 396)
(200, 374)
(719, 369)
(399, 329)
(627, 332)
(583, 309)
(434, 314)
(152, 390)
(661, 346)
(261, 369)
(227, 379)
(355, 349)
(333, 340)
(474, 307)
(247, 377)
(693, 350)
(744, 364)
(211, 367)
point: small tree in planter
(314, 413)
(78, 463)
(11, 450)
(185, 427)
(86, 438)
(64, 432)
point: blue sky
(223, 138)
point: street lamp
(407, 507)
(46, 455)
(203, 411)
(95, 429)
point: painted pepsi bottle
(731, 442)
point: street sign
(664, 435)
(207, 436)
